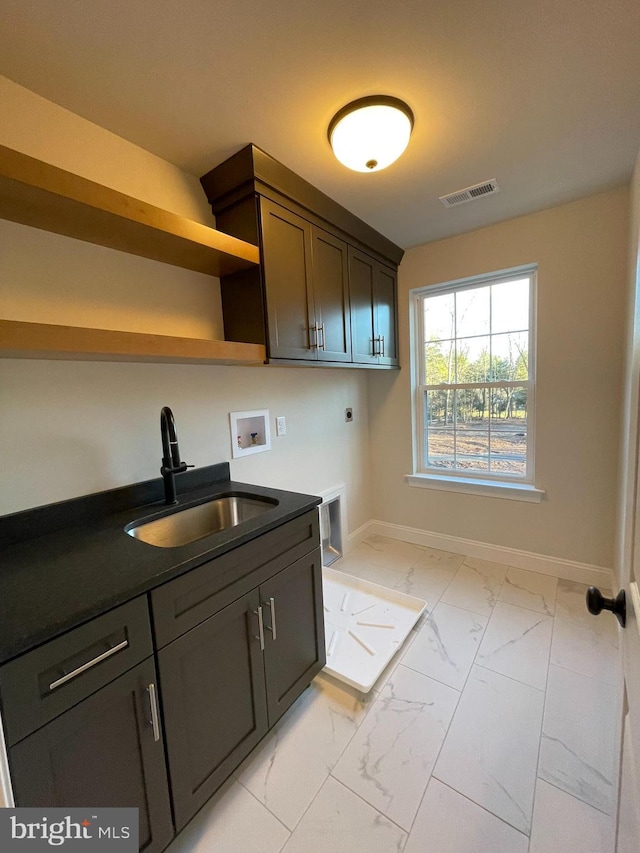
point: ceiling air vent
(470, 193)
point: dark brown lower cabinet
(102, 752)
(225, 682)
(213, 699)
(294, 653)
(237, 640)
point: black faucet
(171, 463)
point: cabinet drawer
(187, 601)
(44, 683)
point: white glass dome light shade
(369, 134)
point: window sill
(487, 488)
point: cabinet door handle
(85, 666)
(375, 351)
(321, 346)
(382, 345)
(260, 636)
(271, 604)
(314, 329)
(155, 717)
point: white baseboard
(360, 535)
(554, 566)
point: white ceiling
(543, 95)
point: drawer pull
(260, 636)
(85, 666)
(155, 717)
(271, 604)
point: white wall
(581, 252)
(71, 428)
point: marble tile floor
(491, 731)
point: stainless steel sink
(196, 522)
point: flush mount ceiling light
(371, 133)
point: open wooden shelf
(42, 340)
(41, 195)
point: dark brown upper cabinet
(303, 302)
(330, 275)
(286, 265)
(306, 285)
(373, 289)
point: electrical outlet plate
(281, 426)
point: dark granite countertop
(65, 563)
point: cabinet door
(362, 271)
(286, 259)
(102, 752)
(331, 296)
(294, 631)
(384, 298)
(213, 698)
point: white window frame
(492, 484)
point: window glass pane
(479, 400)
(499, 406)
(473, 312)
(439, 362)
(472, 450)
(472, 432)
(468, 409)
(439, 408)
(439, 438)
(508, 444)
(515, 467)
(510, 356)
(439, 317)
(509, 405)
(472, 360)
(518, 407)
(510, 306)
